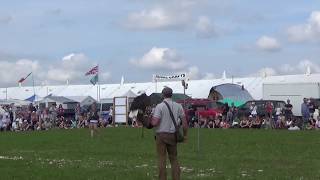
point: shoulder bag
(179, 129)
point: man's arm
(183, 118)
(185, 126)
(155, 121)
(156, 117)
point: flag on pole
(24, 78)
(94, 79)
(93, 71)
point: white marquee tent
(196, 88)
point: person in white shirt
(317, 125)
(14, 126)
(278, 111)
(253, 109)
(316, 114)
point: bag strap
(172, 117)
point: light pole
(185, 86)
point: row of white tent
(196, 88)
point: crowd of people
(273, 117)
(13, 118)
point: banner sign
(176, 77)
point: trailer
(295, 92)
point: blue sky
(59, 40)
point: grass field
(121, 153)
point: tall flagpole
(99, 83)
(99, 98)
(34, 91)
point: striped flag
(24, 78)
(94, 80)
(93, 71)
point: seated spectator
(47, 124)
(6, 122)
(293, 127)
(281, 121)
(15, 126)
(19, 121)
(217, 121)
(288, 123)
(244, 123)
(80, 123)
(311, 124)
(317, 124)
(316, 113)
(256, 123)
(224, 125)
(266, 123)
(73, 124)
(63, 125)
(210, 123)
(1, 123)
(236, 122)
(203, 121)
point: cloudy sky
(60, 40)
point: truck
(295, 92)
(201, 107)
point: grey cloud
(6, 19)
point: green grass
(121, 153)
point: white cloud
(5, 19)
(299, 68)
(304, 64)
(157, 19)
(267, 71)
(12, 72)
(266, 43)
(71, 67)
(160, 58)
(209, 76)
(205, 28)
(193, 72)
(309, 31)
(105, 76)
(287, 68)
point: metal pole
(199, 134)
(34, 91)
(184, 98)
(156, 86)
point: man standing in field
(165, 133)
(305, 112)
(288, 111)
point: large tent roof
(59, 99)
(196, 88)
(233, 92)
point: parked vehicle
(316, 102)
(201, 107)
(295, 92)
(244, 110)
